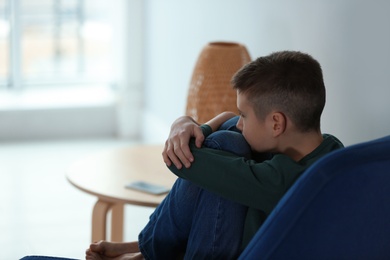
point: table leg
(99, 220)
(117, 212)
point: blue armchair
(338, 209)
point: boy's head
(288, 82)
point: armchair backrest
(338, 209)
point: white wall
(350, 38)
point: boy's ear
(279, 122)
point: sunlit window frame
(14, 76)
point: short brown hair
(288, 81)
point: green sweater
(258, 185)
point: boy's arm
(176, 149)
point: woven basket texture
(210, 91)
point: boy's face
(258, 133)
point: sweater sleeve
(257, 185)
(206, 129)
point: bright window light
(50, 43)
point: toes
(97, 246)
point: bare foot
(129, 256)
(89, 255)
(111, 250)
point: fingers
(183, 152)
(199, 137)
(165, 156)
(177, 153)
(169, 156)
(176, 150)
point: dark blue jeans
(193, 223)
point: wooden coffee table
(105, 175)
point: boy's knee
(230, 124)
(229, 141)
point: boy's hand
(177, 150)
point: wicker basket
(210, 91)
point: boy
(221, 199)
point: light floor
(40, 212)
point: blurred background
(78, 76)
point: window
(56, 43)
